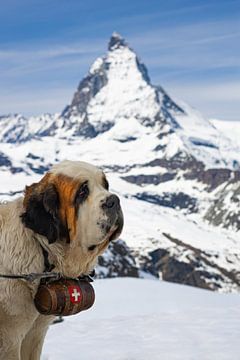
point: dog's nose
(111, 203)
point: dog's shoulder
(10, 207)
(10, 213)
(4, 213)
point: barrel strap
(47, 266)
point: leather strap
(47, 266)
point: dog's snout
(112, 209)
(111, 203)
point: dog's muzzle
(113, 210)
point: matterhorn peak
(116, 41)
(117, 87)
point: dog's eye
(92, 247)
(82, 193)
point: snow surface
(231, 129)
(136, 319)
(204, 140)
(126, 95)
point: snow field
(136, 319)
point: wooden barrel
(64, 297)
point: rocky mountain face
(224, 210)
(176, 173)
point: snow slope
(231, 129)
(135, 319)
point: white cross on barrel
(75, 294)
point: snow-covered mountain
(168, 163)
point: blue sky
(191, 48)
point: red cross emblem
(75, 294)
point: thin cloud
(36, 67)
(225, 91)
(220, 100)
(50, 52)
(26, 102)
(183, 36)
(18, 63)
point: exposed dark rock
(16, 133)
(34, 157)
(201, 142)
(148, 263)
(168, 103)
(197, 269)
(204, 259)
(195, 169)
(4, 160)
(127, 139)
(164, 133)
(172, 200)
(180, 272)
(50, 131)
(160, 147)
(118, 168)
(213, 177)
(180, 161)
(87, 89)
(225, 210)
(39, 168)
(85, 129)
(166, 115)
(162, 264)
(149, 179)
(117, 261)
(116, 41)
(143, 70)
(102, 127)
(15, 170)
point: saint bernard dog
(69, 213)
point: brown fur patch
(35, 188)
(66, 188)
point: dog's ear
(42, 212)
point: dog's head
(72, 205)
